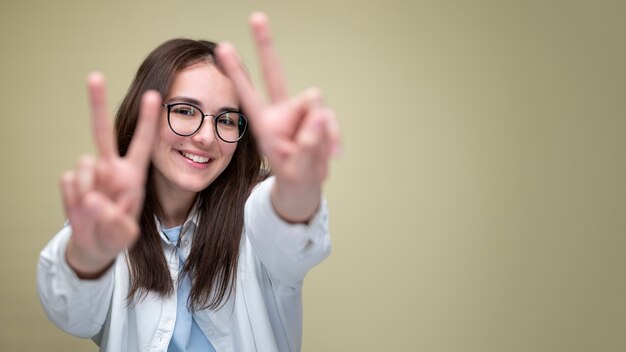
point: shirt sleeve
(79, 307)
(288, 251)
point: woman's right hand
(103, 196)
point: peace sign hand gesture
(298, 135)
(103, 196)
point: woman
(175, 239)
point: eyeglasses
(186, 119)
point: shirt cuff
(287, 250)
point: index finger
(100, 122)
(230, 63)
(146, 130)
(272, 71)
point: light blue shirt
(187, 336)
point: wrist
(86, 266)
(295, 204)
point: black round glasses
(186, 119)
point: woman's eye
(226, 120)
(184, 110)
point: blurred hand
(298, 135)
(103, 196)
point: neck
(175, 205)
(175, 210)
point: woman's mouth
(195, 158)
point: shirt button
(185, 243)
(210, 332)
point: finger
(313, 141)
(85, 175)
(230, 63)
(310, 99)
(146, 130)
(270, 64)
(298, 108)
(276, 150)
(302, 106)
(81, 225)
(116, 229)
(323, 153)
(101, 124)
(131, 202)
(312, 136)
(68, 193)
(334, 133)
(326, 145)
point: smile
(195, 158)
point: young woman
(176, 238)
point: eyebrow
(198, 103)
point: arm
(285, 216)
(288, 251)
(102, 198)
(79, 307)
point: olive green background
(480, 201)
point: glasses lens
(184, 118)
(230, 126)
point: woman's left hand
(298, 135)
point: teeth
(196, 158)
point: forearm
(86, 266)
(77, 306)
(288, 250)
(295, 203)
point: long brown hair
(212, 262)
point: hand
(103, 196)
(298, 135)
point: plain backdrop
(480, 201)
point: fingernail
(95, 77)
(258, 16)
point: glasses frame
(242, 129)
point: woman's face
(189, 164)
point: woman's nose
(206, 134)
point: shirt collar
(189, 226)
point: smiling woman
(176, 238)
(189, 159)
